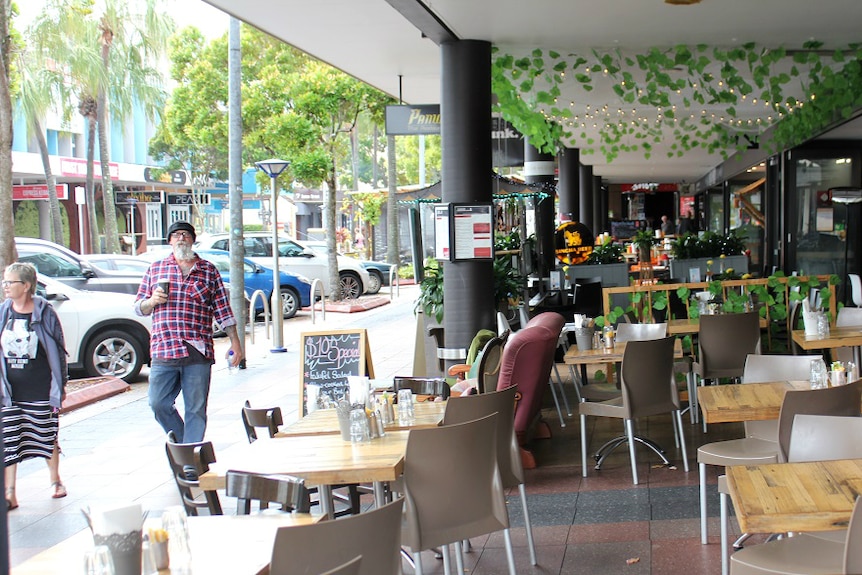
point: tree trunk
(393, 250)
(329, 223)
(112, 236)
(95, 246)
(7, 222)
(53, 202)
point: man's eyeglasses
(181, 235)
(7, 283)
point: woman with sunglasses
(34, 375)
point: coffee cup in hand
(165, 285)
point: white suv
(296, 258)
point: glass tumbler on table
(405, 406)
(818, 374)
(359, 426)
(98, 561)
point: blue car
(295, 290)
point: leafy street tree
(294, 108)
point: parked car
(118, 263)
(294, 257)
(295, 289)
(104, 335)
(62, 264)
(378, 272)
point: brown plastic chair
(288, 492)
(349, 568)
(804, 554)
(189, 461)
(472, 407)
(468, 500)
(840, 401)
(268, 418)
(312, 549)
(648, 389)
(724, 341)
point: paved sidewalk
(113, 451)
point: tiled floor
(114, 452)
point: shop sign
(38, 192)
(162, 176)
(189, 199)
(413, 120)
(573, 243)
(143, 196)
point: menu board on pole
(441, 232)
(472, 232)
(328, 357)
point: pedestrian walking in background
(34, 378)
(184, 293)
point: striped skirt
(29, 430)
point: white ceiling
(374, 41)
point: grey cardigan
(46, 324)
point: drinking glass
(822, 325)
(405, 406)
(359, 425)
(174, 521)
(818, 374)
(98, 561)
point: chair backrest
(349, 568)
(849, 317)
(478, 343)
(471, 407)
(844, 400)
(824, 438)
(184, 457)
(311, 549)
(853, 545)
(268, 418)
(502, 323)
(587, 293)
(488, 367)
(640, 331)
(725, 340)
(468, 499)
(855, 289)
(426, 386)
(646, 377)
(763, 368)
(527, 361)
(288, 492)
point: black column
(568, 188)
(586, 197)
(538, 168)
(600, 206)
(465, 114)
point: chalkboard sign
(328, 357)
(625, 229)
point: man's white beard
(183, 252)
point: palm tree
(7, 237)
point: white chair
(855, 289)
(847, 317)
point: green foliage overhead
(672, 82)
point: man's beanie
(182, 226)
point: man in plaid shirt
(184, 293)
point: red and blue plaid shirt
(188, 314)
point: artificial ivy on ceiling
(696, 95)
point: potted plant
(705, 252)
(644, 240)
(606, 262)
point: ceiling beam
(418, 14)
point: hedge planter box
(679, 269)
(613, 275)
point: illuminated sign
(573, 243)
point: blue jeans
(166, 382)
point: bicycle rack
(315, 283)
(266, 317)
(394, 280)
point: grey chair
(468, 500)
(287, 492)
(470, 407)
(804, 554)
(349, 568)
(312, 549)
(188, 461)
(847, 317)
(648, 389)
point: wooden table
(781, 497)
(574, 356)
(325, 421)
(838, 337)
(322, 460)
(744, 401)
(691, 326)
(240, 545)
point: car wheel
(351, 286)
(114, 352)
(376, 281)
(289, 303)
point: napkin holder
(120, 530)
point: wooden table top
(744, 401)
(240, 545)
(780, 497)
(574, 356)
(838, 337)
(319, 459)
(325, 421)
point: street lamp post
(273, 168)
